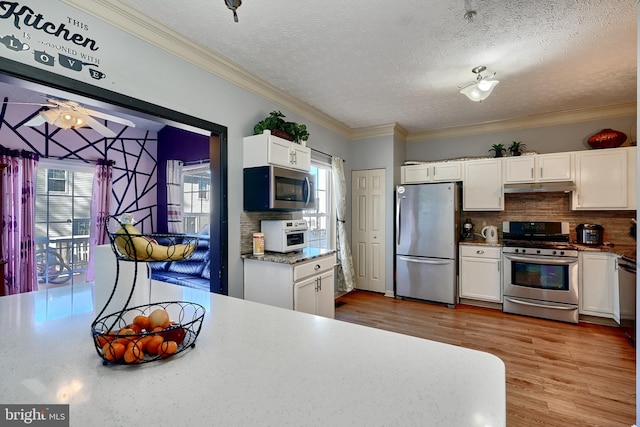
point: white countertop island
(253, 365)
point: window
(196, 187)
(321, 220)
(63, 206)
(57, 180)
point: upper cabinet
(432, 172)
(605, 179)
(538, 168)
(482, 190)
(266, 149)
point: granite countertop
(291, 257)
(627, 251)
(253, 364)
(480, 242)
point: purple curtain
(18, 217)
(100, 197)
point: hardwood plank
(557, 374)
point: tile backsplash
(555, 207)
(250, 223)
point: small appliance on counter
(284, 235)
(467, 230)
(590, 234)
(490, 234)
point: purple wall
(134, 151)
(176, 144)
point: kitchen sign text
(24, 15)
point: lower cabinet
(306, 286)
(598, 284)
(481, 273)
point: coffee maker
(467, 230)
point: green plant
(275, 121)
(498, 149)
(516, 148)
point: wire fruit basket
(153, 331)
(136, 341)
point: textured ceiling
(373, 62)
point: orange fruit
(153, 344)
(103, 339)
(133, 354)
(142, 342)
(143, 322)
(113, 351)
(136, 328)
(167, 348)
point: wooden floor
(557, 374)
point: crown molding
(380, 130)
(534, 121)
(129, 20)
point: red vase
(607, 138)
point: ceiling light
(481, 88)
(233, 5)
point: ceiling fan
(69, 114)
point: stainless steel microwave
(273, 188)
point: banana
(141, 248)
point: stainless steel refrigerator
(427, 228)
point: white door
(368, 229)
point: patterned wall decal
(134, 151)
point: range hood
(541, 187)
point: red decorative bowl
(607, 138)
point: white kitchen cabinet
(605, 179)
(598, 284)
(431, 172)
(314, 295)
(266, 149)
(481, 273)
(482, 185)
(306, 286)
(538, 168)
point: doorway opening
(44, 82)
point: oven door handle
(554, 307)
(547, 260)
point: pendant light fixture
(481, 88)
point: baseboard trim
(478, 303)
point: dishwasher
(627, 296)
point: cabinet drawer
(314, 266)
(480, 251)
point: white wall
(552, 139)
(138, 69)
(383, 152)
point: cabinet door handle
(541, 173)
(479, 251)
(317, 267)
(531, 173)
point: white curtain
(174, 196)
(346, 272)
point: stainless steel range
(540, 273)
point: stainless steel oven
(540, 271)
